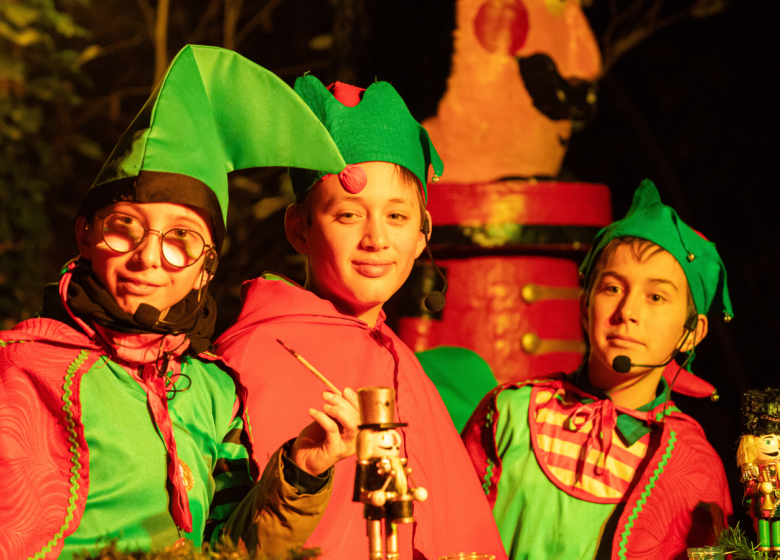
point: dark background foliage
(688, 100)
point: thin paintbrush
(310, 367)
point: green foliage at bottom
(736, 544)
(184, 550)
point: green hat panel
(376, 126)
(213, 112)
(650, 219)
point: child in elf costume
(360, 231)
(601, 464)
(116, 421)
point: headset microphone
(148, 316)
(622, 364)
(435, 300)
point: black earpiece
(691, 322)
(434, 301)
(210, 261)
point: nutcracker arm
(749, 472)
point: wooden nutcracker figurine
(758, 457)
(382, 479)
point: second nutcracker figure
(758, 457)
(382, 478)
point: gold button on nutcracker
(383, 481)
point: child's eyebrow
(400, 201)
(352, 198)
(186, 219)
(613, 274)
(664, 281)
(340, 199)
(622, 278)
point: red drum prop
(510, 252)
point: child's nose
(148, 253)
(629, 311)
(375, 236)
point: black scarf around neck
(88, 299)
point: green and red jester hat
(213, 112)
(648, 218)
(370, 124)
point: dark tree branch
(161, 41)
(230, 21)
(206, 18)
(641, 19)
(148, 13)
(262, 18)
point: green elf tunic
(128, 458)
(571, 475)
(529, 504)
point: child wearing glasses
(115, 420)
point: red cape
(456, 517)
(44, 458)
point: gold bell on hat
(377, 408)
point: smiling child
(360, 231)
(600, 463)
(116, 421)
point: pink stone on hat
(353, 178)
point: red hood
(274, 298)
(352, 354)
(50, 331)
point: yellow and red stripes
(595, 467)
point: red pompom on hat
(348, 95)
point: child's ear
(423, 231)
(698, 334)
(82, 237)
(294, 228)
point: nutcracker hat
(377, 408)
(214, 111)
(370, 124)
(761, 412)
(650, 219)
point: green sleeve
(232, 480)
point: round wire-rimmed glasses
(179, 247)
